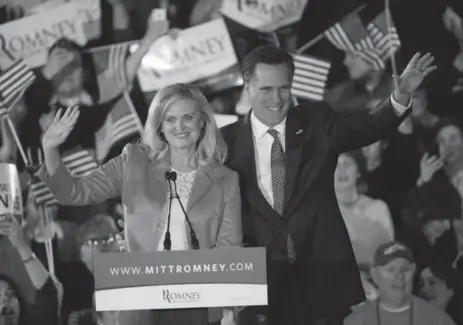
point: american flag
(13, 81)
(122, 120)
(111, 61)
(79, 163)
(386, 40)
(116, 62)
(351, 35)
(120, 124)
(310, 77)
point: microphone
(167, 240)
(194, 239)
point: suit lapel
(294, 135)
(161, 188)
(244, 156)
(201, 185)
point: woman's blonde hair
(211, 147)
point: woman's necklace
(411, 316)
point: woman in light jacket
(180, 136)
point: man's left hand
(415, 72)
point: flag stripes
(310, 77)
(13, 82)
(387, 42)
(349, 34)
(125, 127)
(116, 62)
(122, 120)
(78, 163)
(374, 43)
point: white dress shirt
(263, 146)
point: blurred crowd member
(429, 214)
(442, 287)
(392, 167)
(8, 152)
(44, 307)
(422, 117)
(38, 230)
(368, 221)
(427, 32)
(366, 89)
(393, 272)
(204, 11)
(178, 13)
(443, 163)
(69, 79)
(96, 234)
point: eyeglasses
(106, 243)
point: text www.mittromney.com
(180, 269)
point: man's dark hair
(267, 54)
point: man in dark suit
(286, 157)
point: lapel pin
(299, 132)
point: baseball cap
(390, 251)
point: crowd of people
(358, 198)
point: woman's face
(182, 124)
(346, 174)
(450, 142)
(9, 305)
(434, 290)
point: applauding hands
(60, 128)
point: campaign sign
(198, 52)
(264, 15)
(221, 277)
(10, 193)
(30, 37)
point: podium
(221, 277)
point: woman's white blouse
(178, 223)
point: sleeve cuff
(398, 108)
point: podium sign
(11, 205)
(218, 277)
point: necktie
(278, 169)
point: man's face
(98, 241)
(9, 305)
(395, 279)
(420, 103)
(450, 142)
(270, 92)
(69, 80)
